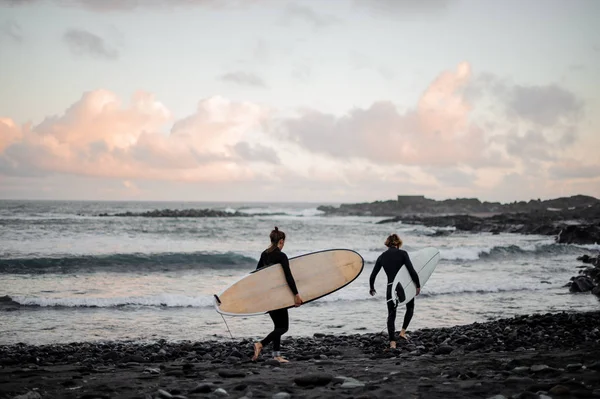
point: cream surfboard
(424, 262)
(316, 274)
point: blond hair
(393, 241)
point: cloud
(11, 30)
(307, 14)
(301, 71)
(98, 136)
(544, 105)
(402, 7)
(532, 145)
(9, 133)
(129, 5)
(82, 42)
(244, 79)
(361, 61)
(452, 177)
(443, 145)
(437, 132)
(573, 169)
(16, 2)
(258, 153)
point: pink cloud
(99, 136)
(9, 133)
(437, 132)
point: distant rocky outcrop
(179, 213)
(572, 220)
(419, 205)
(188, 213)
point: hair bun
(276, 229)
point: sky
(299, 100)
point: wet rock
(559, 390)
(527, 395)
(581, 284)
(231, 374)
(29, 395)
(164, 394)
(203, 388)
(520, 370)
(594, 366)
(220, 392)
(536, 368)
(282, 395)
(574, 366)
(350, 383)
(443, 350)
(272, 362)
(152, 370)
(316, 379)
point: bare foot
(404, 337)
(257, 348)
(281, 360)
(392, 344)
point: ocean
(79, 277)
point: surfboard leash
(226, 325)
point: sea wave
(163, 300)
(206, 301)
(129, 262)
(473, 253)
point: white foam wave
(362, 293)
(590, 247)
(464, 253)
(167, 300)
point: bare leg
(257, 349)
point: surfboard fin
(217, 298)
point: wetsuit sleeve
(411, 271)
(261, 261)
(374, 273)
(285, 263)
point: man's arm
(374, 273)
(411, 271)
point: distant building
(411, 199)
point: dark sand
(556, 355)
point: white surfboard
(316, 274)
(424, 262)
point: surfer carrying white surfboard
(392, 261)
(271, 256)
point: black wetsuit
(280, 316)
(392, 260)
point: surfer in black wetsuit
(272, 256)
(392, 260)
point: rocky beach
(534, 356)
(111, 325)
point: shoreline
(539, 353)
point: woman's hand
(418, 291)
(372, 292)
(298, 300)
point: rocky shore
(571, 226)
(419, 205)
(534, 356)
(588, 279)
